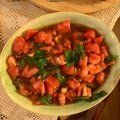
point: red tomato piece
(37, 102)
(67, 45)
(43, 37)
(70, 95)
(49, 89)
(102, 57)
(104, 50)
(83, 72)
(83, 62)
(68, 70)
(26, 48)
(29, 72)
(86, 42)
(18, 44)
(97, 67)
(77, 42)
(94, 59)
(93, 68)
(100, 78)
(79, 91)
(90, 34)
(13, 71)
(62, 99)
(40, 37)
(98, 40)
(23, 91)
(30, 33)
(89, 78)
(73, 84)
(39, 86)
(54, 82)
(48, 39)
(64, 26)
(92, 47)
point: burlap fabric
(13, 15)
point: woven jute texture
(13, 15)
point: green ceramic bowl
(50, 19)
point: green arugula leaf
(26, 60)
(94, 97)
(40, 58)
(60, 77)
(110, 58)
(97, 96)
(71, 57)
(43, 72)
(80, 51)
(45, 99)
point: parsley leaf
(71, 57)
(43, 73)
(60, 77)
(26, 60)
(110, 58)
(94, 97)
(40, 58)
(45, 99)
(80, 51)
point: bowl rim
(55, 108)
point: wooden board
(82, 6)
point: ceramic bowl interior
(50, 19)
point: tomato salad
(59, 64)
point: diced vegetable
(71, 57)
(45, 99)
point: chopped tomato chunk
(89, 78)
(94, 59)
(44, 37)
(104, 50)
(54, 82)
(83, 72)
(18, 44)
(98, 40)
(83, 62)
(13, 71)
(70, 95)
(29, 72)
(30, 33)
(92, 47)
(100, 78)
(23, 90)
(90, 34)
(26, 48)
(68, 70)
(62, 99)
(39, 86)
(73, 84)
(64, 26)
